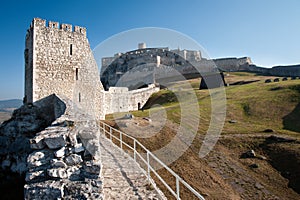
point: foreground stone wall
(56, 145)
(119, 99)
(58, 60)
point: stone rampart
(119, 99)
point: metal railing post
(177, 188)
(148, 165)
(121, 145)
(134, 150)
(110, 133)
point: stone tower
(58, 60)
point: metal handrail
(147, 162)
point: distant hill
(9, 105)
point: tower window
(76, 74)
(71, 49)
(79, 97)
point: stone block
(57, 173)
(60, 153)
(55, 142)
(58, 163)
(73, 159)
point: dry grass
(255, 107)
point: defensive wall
(119, 99)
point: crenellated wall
(58, 60)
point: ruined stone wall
(59, 60)
(291, 71)
(232, 64)
(119, 99)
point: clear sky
(266, 30)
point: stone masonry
(58, 60)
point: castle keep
(58, 60)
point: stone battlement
(37, 22)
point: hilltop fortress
(59, 60)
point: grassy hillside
(255, 107)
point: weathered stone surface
(73, 138)
(45, 190)
(37, 143)
(55, 142)
(93, 148)
(30, 176)
(73, 170)
(58, 163)
(57, 173)
(60, 153)
(36, 159)
(92, 167)
(73, 159)
(87, 134)
(79, 148)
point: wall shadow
(292, 120)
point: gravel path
(122, 177)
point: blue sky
(266, 30)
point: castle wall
(291, 71)
(232, 64)
(119, 99)
(60, 61)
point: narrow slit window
(79, 97)
(76, 74)
(71, 49)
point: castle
(190, 55)
(59, 60)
